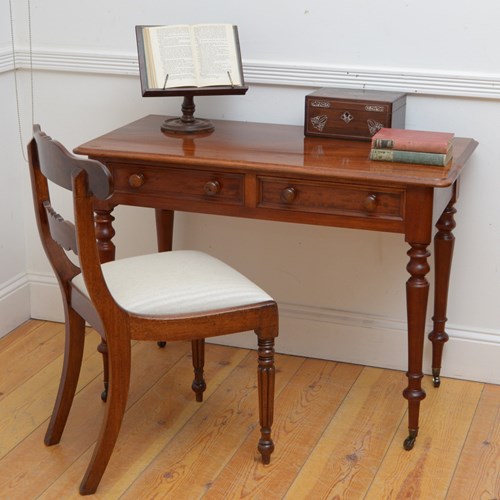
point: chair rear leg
(265, 375)
(73, 355)
(119, 358)
(199, 385)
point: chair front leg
(73, 355)
(266, 375)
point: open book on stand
(189, 56)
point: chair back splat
(177, 295)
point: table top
(283, 149)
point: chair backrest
(50, 161)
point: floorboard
(338, 428)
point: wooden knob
(371, 203)
(212, 188)
(288, 194)
(136, 180)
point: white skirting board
(374, 341)
(14, 303)
(324, 333)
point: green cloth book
(394, 155)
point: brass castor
(410, 440)
(436, 378)
(104, 394)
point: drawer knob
(288, 194)
(136, 180)
(371, 203)
(212, 188)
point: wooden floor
(338, 429)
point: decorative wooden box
(353, 114)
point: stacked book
(412, 146)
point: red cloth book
(412, 140)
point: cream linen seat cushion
(177, 282)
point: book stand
(187, 123)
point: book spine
(401, 145)
(409, 157)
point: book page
(217, 55)
(172, 57)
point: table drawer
(179, 183)
(331, 198)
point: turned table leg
(199, 386)
(417, 292)
(104, 233)
(444, 242)
(164, 229)
(164, 238)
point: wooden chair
(178, 295)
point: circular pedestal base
(177, 126)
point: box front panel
(345, 119)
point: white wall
(341, 292)
(14, 289)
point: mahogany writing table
(273, 172)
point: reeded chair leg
(199, 385)
(73, 354)
(266, 375)
(103, 349)
(119, 381)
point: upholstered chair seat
(178, 282)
